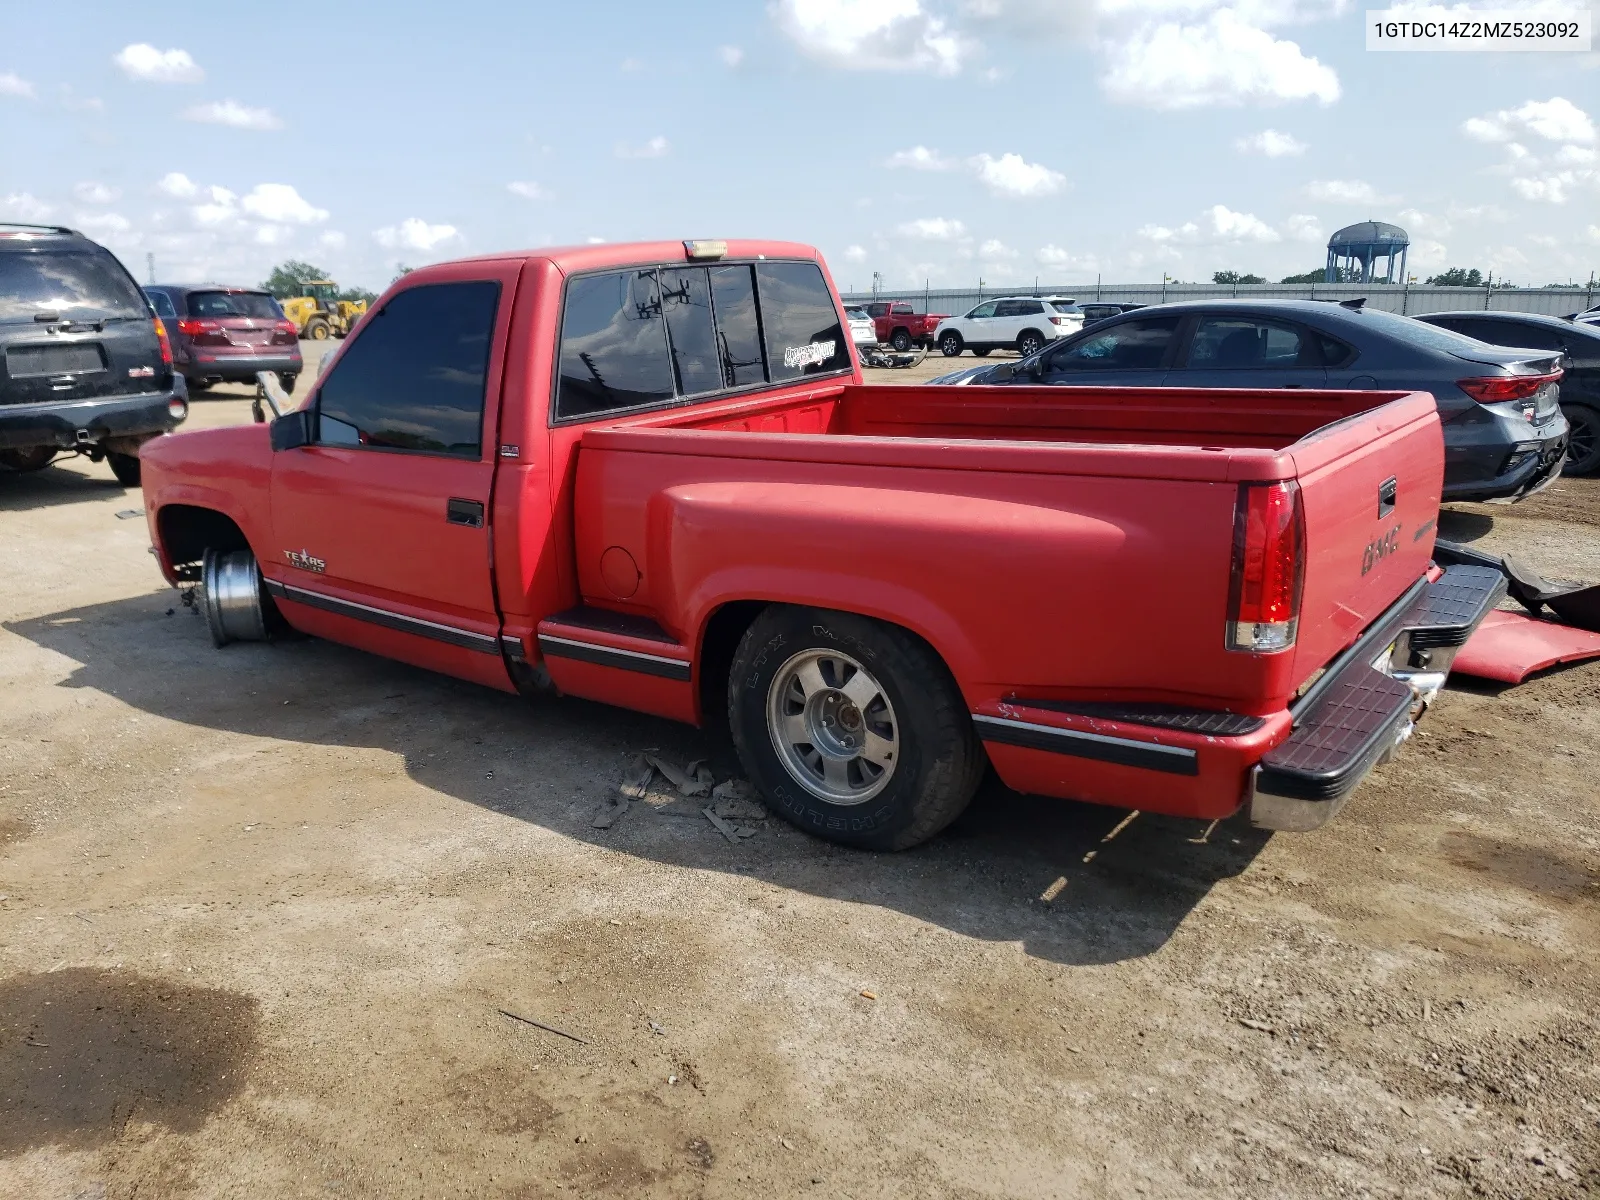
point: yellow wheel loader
(320, 314)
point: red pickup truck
(650, 475)
(900, 326)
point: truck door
(381, 524)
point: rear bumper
(1292, 769)
(241, 368)
(118, 419)
(1367, 702)
(1504, 460)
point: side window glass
(1334, 352)
(903, 309)
(1133, 345)
(613, 345)
(1514, 333)
(982, 311)
(413, 379)
(1007, 308)
(733, 297)
(1243, 343)
(878, 310)
(163, 305)
(691, 338)
(800, 322)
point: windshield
(77, 284)
(234, 304)
(1422, 334)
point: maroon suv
(226, 334)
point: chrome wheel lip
(833, 726)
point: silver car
(862, 331)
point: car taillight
(1494, 388)
(287, 327)
(166, 343)
(177, 408)
(1058, 320)
(194, 325)
(1269, 544)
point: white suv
(1020, 323)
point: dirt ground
(263, 911)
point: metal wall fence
(1417, 298)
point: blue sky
(945, 140)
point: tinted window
(79, 284)
(1133, 345)
(692, 340)
(1242, 343)
(1418, 333)
(983, 310)
(879, 310)
(613, 345)
(800, 322)
(1067, 306)
(163, 305)
(413, 378)
(1516, 334)
(901, 308)
(234, 304)
(733, 296)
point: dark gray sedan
(1504, 432)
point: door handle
(464, 512)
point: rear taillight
(166, 343)
(177, 408)
(287, 327)
(194, 325)
(1058, 320)
(1269, 544)
(1494, 388)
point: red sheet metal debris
(1509, 647)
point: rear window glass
(413, 377)
(77, 284)
(800, 322)
(613, 345)
(234, 304)
(691, 335)
(1067, 307)
(1420, 333)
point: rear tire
(1583, 445)
(1029, 342)
(318, 330)
(900, 339)
(34, 458)
(125, 467)
(852, 729)
(950, 344)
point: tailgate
(1370, 487)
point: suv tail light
(287, 326)
(1058, 320)
(166, 342)
(1269, 568)
(1494, 388)
(194, 325)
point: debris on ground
(610, 811)
(506, 1012)
(737, 800)
(1508, 647)
(657, 1030)
(693, 780)
(734, 833)
(636, 779)
(128, 513)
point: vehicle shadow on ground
(1128, 885)
(26, 491)
(1458, 526)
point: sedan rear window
(78, 284)
(1420, 333)
(234, 304)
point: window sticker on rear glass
(806, 356)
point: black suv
(85, 365)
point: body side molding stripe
(610, 656)
(466, 639)
(1173, 760)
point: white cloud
(24, 206)
(280, 203)
(1161, 233)
(415, 234)
(1555, 120)
(731, 56)
(855, 254)
(932, 229)
(595, 241)
(1223, 60)
(1011, 175)
(1230, 226)
(1064, 261)
(145, 63)
(920, 158)
(1415, 221)
(872, 35)
(176, 183)
(221, 205)
(14, 85)
(994, 250)
(234, 115)
(656, 147)
(1270, 143)
(331, 239)
(1344, 191)
(1220, 224)
(527, 190)
(1302, 227)
(102, 224)
(90, 192)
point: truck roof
(600, 255)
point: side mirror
(291, 430)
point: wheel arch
(186, 531)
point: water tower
(1356, 252)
